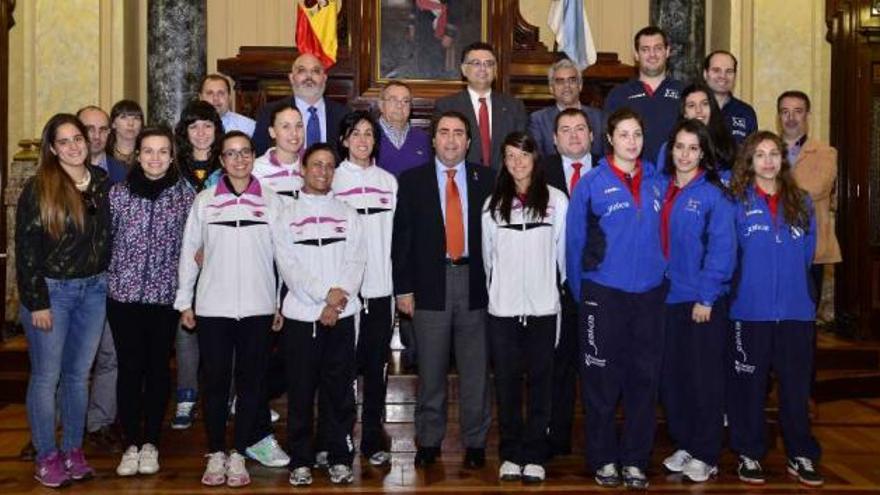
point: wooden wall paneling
(855, 122)
(260, 73)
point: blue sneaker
(186, 409)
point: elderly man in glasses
(566, 82)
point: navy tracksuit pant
(523, 346)
(621, 341)
(755, 348)
(320, 359)
(373, 348)
(565, 371)
(692, 388)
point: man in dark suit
(439, 280)
(566, 82)
(320, 116)
(491, 115)
(570, 161)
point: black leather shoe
(474, 458)
(426, 456)
(28, 452)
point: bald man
(321, 116)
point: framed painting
(422, 40)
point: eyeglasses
(78, 139)
(476, 64)
(394, 101)
(560, 81)
(242, 153)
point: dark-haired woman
(615, 269)
(697, 238)
(698, 102)
(231, 296)
(197, 136)
(279, 168)
(62, 236)
(148, 214)
(523, 249)
(772, 310)
(372, 191)
(126, 122)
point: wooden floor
(849, 432)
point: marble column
(176, 61)
(684, 21)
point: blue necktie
(313, 128)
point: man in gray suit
(491, 115)
(566, 82)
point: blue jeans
(64, 355)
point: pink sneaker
(49, 471)
(77, 467)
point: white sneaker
(509, 471)
(322, 459)
(301, 476)
(698, 471)
(148, 463)
(533, 473)
(128, 466)
(215, 472)
(380, 458)
(268, 453)
(341, 474)
(236, 472)
(675, 463)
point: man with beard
(308, 79)
(652, 95)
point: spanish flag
(316, 29)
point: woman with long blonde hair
(62, 251)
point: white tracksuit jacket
(283, 178)
(372, 192)
(521, 259)
(328, 251)
(237, 278)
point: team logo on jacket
(258, 214)
(754, 211)
(757, 227)
(339, 229)
(672, 93)
(657, 205)
(796, 232)
(612, 189)
(693, 205)
(738, 122)
(620, 205)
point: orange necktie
(485, 138)
(575, 177)
(454, 220)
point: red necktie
(575, 177)
(485, 140)
(454, 220)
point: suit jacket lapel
(473, 196)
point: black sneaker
(750, 471)
(806, 473)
